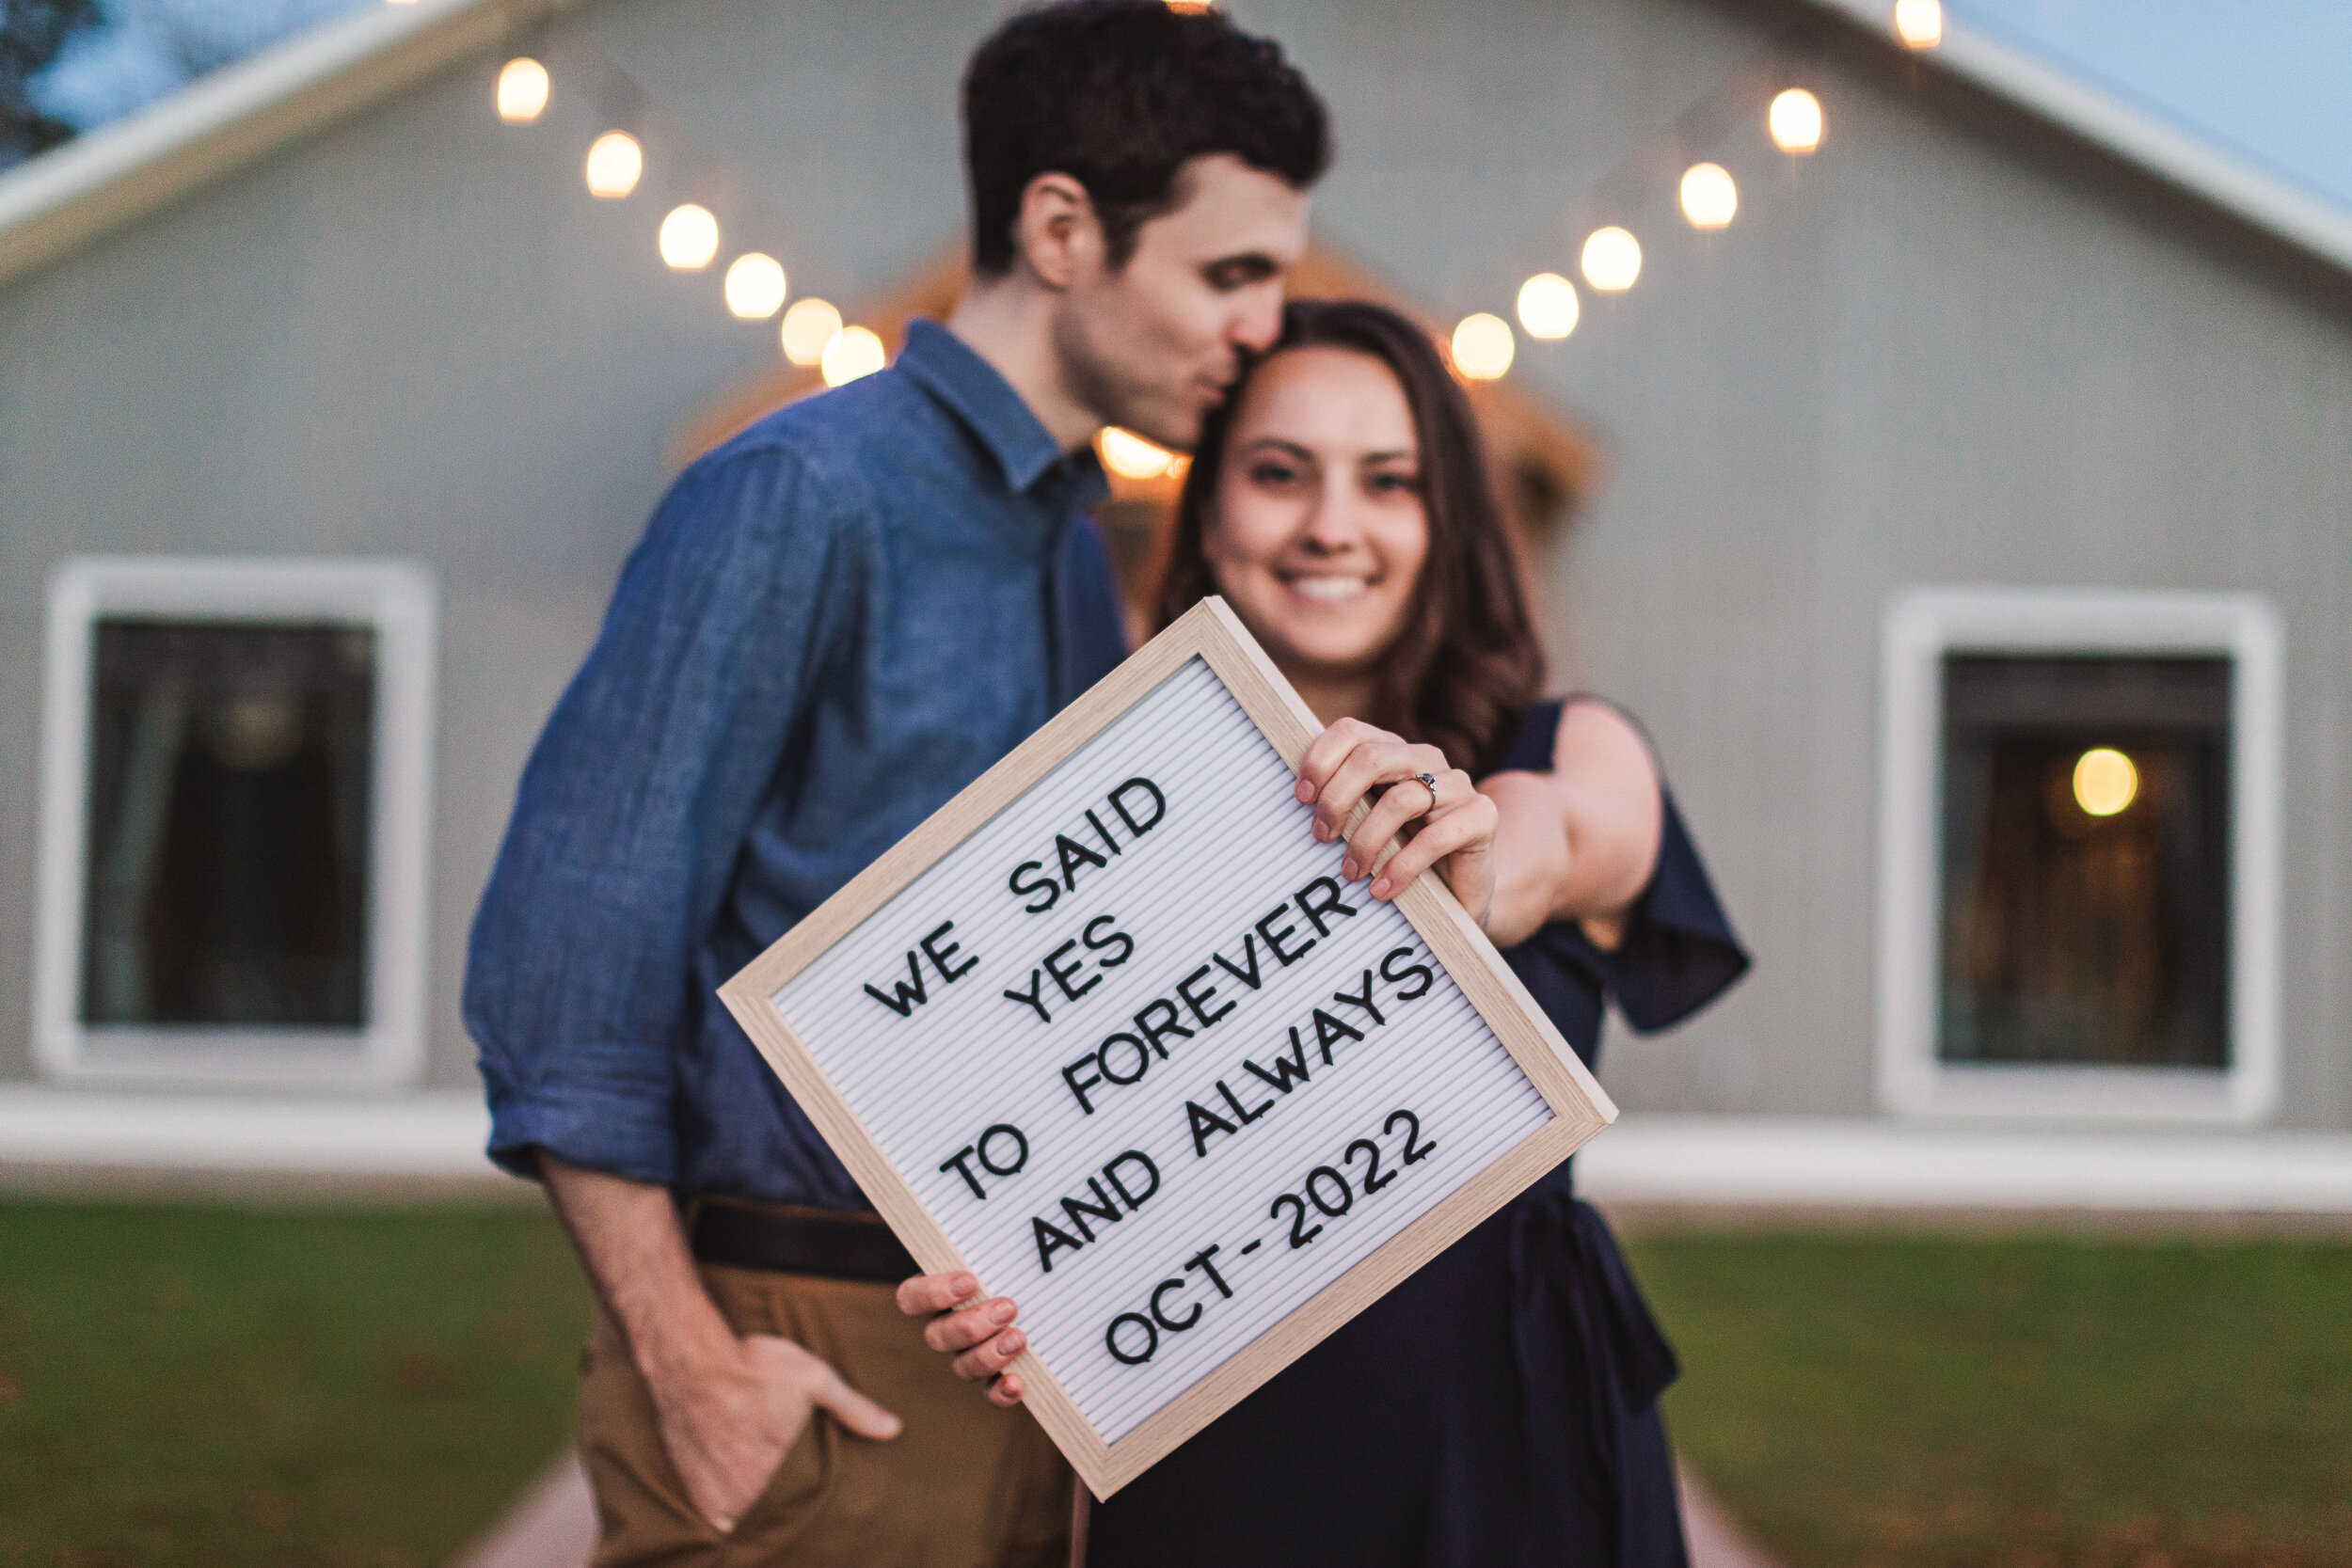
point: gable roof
(2302, 218)
(53, 205)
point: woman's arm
(1577, 842)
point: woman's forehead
(1328, 399)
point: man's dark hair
(1119, 95)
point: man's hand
(729, 1422)
(729, 1408)
(978, 1331)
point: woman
(1500, 1405)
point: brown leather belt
(817, 1242)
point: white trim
(1921, 625)
(65, 198)
(2297, 215)
(438, 1134)
(1789, 1162)
(394, 598)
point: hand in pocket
(728, 1425)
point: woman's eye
(1392, 483)
(1273, 473)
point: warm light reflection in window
(754, 286)
(1919, 23)
(523, 88)
(1708, 196)
(1130, 456)
(808, 326)
(1483, 347)
(2104, 781)
(690, 238)
(1795, 120)
(1547, 307)
(615, 164)
(1611, 260)
(852, 353)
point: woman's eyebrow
(1398, 455)
(1279, 444)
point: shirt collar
(971, 390)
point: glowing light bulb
(1547, 307)
(615, 164)
(522, 92)
(754, 286)
(852, 353)
(1130, 456)
(690, 238)
(1919, 23)
(1708, 195)
(1483, 346)
(1611, 260)
(808, 326)
(1795, 121)
(2104, 781)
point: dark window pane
(227, 882)
(2086, 807)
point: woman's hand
(977, 1330)
(1453, 824)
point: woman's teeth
(1330, 588)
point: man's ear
(1057, 232)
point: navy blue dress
(1500, 1406)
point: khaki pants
(963, 1484)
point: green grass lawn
(2029, 1402)
(282, 1389)
(218, 1386)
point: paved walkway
(555, 1526)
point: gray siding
(1943, 350)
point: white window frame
(394, 599)
(1922, 625)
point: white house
(1967, 519)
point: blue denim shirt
(834, 623)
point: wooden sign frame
(1581, 1108)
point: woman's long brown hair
(1466, 663)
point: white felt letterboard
(1230, 1098)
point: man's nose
(1257, 321)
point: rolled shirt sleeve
(634, 805)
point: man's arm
(728, 1408)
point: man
(833, 623)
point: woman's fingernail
(1382, 888)
(1002, 1312)
(1012, 1342)
(1348, 869)
(962, 1285)
(1307, 791)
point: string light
(853, 352)
(1547, 307)
(1611, 260)
(690, 238)
(615, 164)
(1130, 456)
(754, 286)
(1919, 23)
(1483, 346)
(522, 91)
(808, 326)
(1708, 196)
(1795, 121)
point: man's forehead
(1225, 207)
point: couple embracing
(847, 614)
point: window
(233, 858)
(2080, 863)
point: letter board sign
(1109, 1031)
